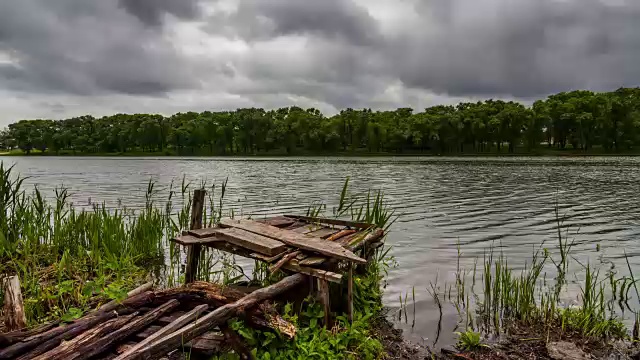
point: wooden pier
(312, 252)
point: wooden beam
(215, 318)
(323, 296)
(353, 224)
(168, 329)
(14, 315)
(296, 266)
(318, 245)
(193, 251)
(252, 241)
(350, 293)
(111, 305)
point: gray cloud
(329, 54)
(151, 11)
(85, 47)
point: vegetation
(580, 121)
(70, 261)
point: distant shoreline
(542, 153)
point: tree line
(578, 120)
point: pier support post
(323, 295)
(350, 293)
(193, 251)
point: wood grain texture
(252, 241)
(318, 245)
(14, 315)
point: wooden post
(350, 293)
(14, 316)
(193, 251)
(323, 294)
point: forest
(578, 121)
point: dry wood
(87, 338)
(12, 337)
(133, 326)
(283, 261)
(237, 343)
(114, 304)
(295, 266)
(173, 326)
(341, 234)
(215, 318)
(14, 316)
(252, 241)
(353, 224)
(278, 221)
(323, 232)
(48, 340)
(323, 296)
(318, 245)
(350, 293)
(188, 240)
(208, 342)
(193, 251)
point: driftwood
(193, 251)
(14, 316)
(215, 318)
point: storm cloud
(70, 57)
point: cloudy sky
(61, 58)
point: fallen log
(114, 304)
(91, 350)
(85, 339)
(215, 318)
(42, 343)
(12, 337)
(14, 316)
(47, 340)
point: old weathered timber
(323, 296)
(111, 305)
(14, 316)
(323, 232)
(295, 266)
(318, 245)
(350, 293)
(67, 348)
(12, 337)
(135, 325)
(252, 241)
(215, 318)
(283, 261)
(353, 224)
(173, 326)
(193, 251)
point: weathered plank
(340, 234)
(323, 247)
(188, 240)
(193, 250)
(350, 293)
(168, 329)
(323, 295)
(114, 304)
(295, 266)
(353, 224)
(208, 342)
(202, 233)
(14, 315)
(323, 232)
(278, 221)
(252, 241)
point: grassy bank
(71, 261)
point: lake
(479, 203)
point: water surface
(505, 203)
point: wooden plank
(114, 304)
(168, 329)
(340, 234)
(296, 225)
(353, 224)
(296, 266)
(202, 233)
(188, 240)
(318, 245)
(14, 315)
(208, 342)
(323, 233)
(278, 221)
(252, 241)
(306, 228)
(148, 331)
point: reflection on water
(507, 203)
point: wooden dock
(312, 252)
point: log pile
(151, 324)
